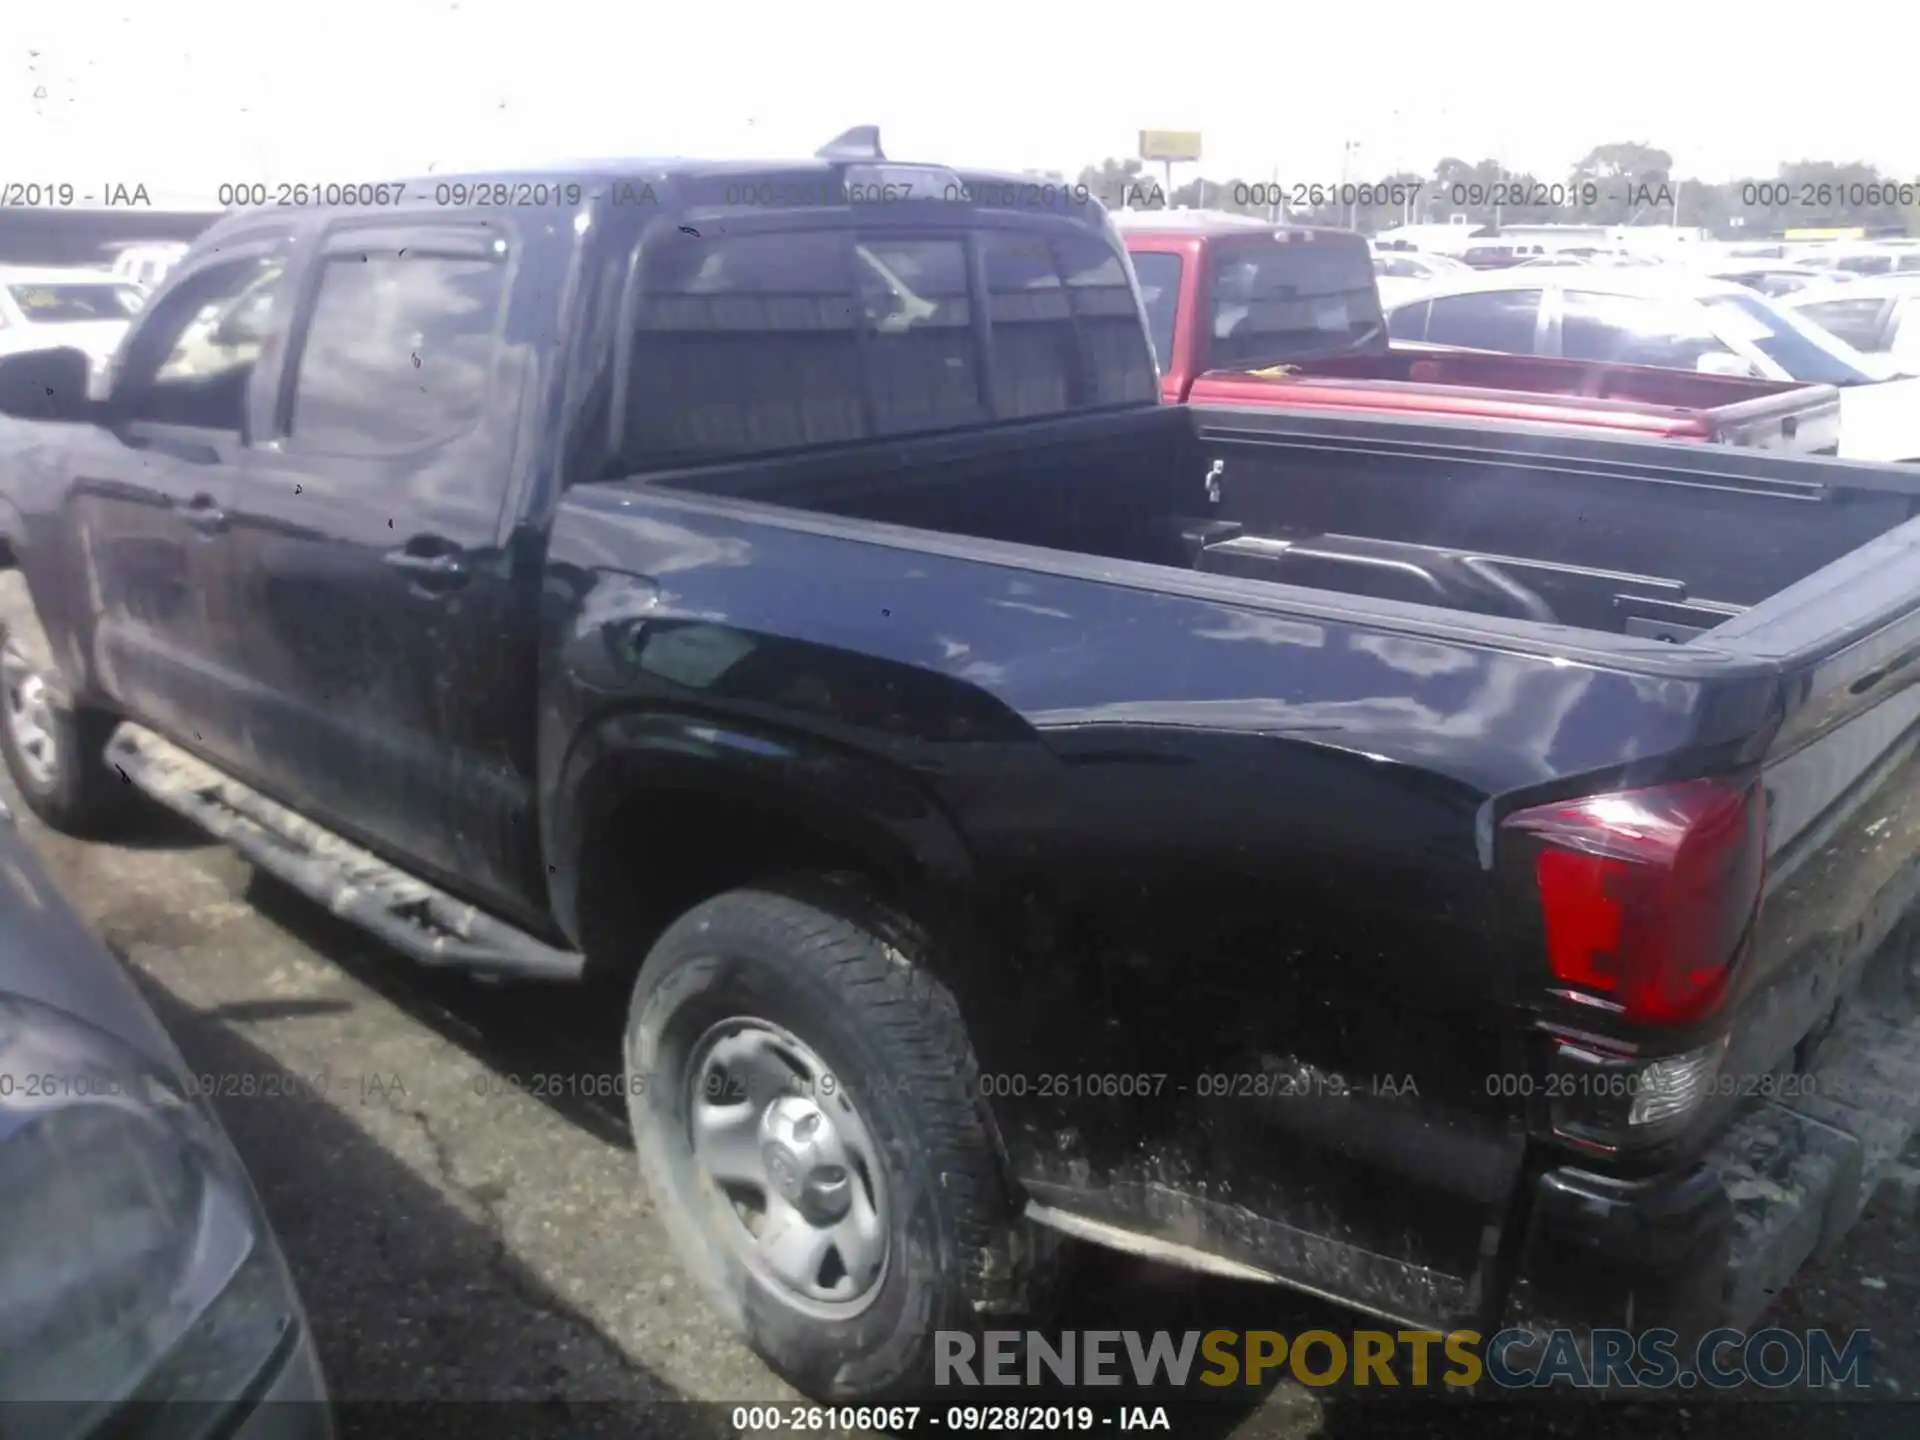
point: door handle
(204, 514)
(431, 562)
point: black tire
(83, 795)
(845, 976)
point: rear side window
(398, 352)
(1855, 321)
(759, 343)
(1634, 330)
(1487, 320)
(1409, 322)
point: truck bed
(1555, 528)
(1258, 792)
(1436, 380)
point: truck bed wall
(1126, 486)
(1735, 546)
(1093, 486)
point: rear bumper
(1600, 1252)
(1713, 1245)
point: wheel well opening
(663, 851)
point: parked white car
(1399, 272)
(86, 309)
(1879, 315)
(1867, 257)
(147, 265)
(1669, 316)
(1775, 278)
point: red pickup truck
(1244, 313)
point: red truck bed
(1660, 404)
(1246, 314)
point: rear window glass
(1114, 355)
(762, 343)
(1159, 277)
(1275, 300)
(917, 312)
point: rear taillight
(1647, 896)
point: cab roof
(681, 183)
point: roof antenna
(860, 143)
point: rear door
(373, 563)
(152, 491)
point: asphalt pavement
(447, 1165)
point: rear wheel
(803, 1103)
(55, 754)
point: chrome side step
(422, 922)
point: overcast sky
(183, 94)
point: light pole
(1346, 166)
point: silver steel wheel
(29, 718)
(792, 1162)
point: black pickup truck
(1438, 869)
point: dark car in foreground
(1401, 860)
(141, 1290)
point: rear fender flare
(876, 809)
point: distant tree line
(1624, 183)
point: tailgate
(1825, 1052)
(1881, 423)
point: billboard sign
(1169, 145)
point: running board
(422, 922)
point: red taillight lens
(1647, 895)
